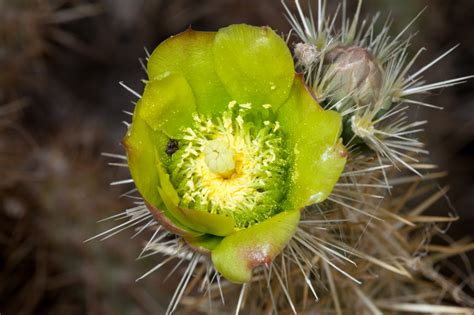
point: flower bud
(353, 71)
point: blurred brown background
(60, 107)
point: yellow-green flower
(227, 145)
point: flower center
(234, 165)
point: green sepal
(200, 221)
(319, 156)
(237, 254)
(254, 64)
(190, 55)
(167, 105)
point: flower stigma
(219, 158)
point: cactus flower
(227, 145)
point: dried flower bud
(306, 54)
(353, 71)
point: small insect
(172, 147)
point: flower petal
(254, 64)
(167, 105)
(209, 223)
(143, 146)
(319, 156)
(237, 254)
(169, 223)
(190, 54)
(204, 243)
